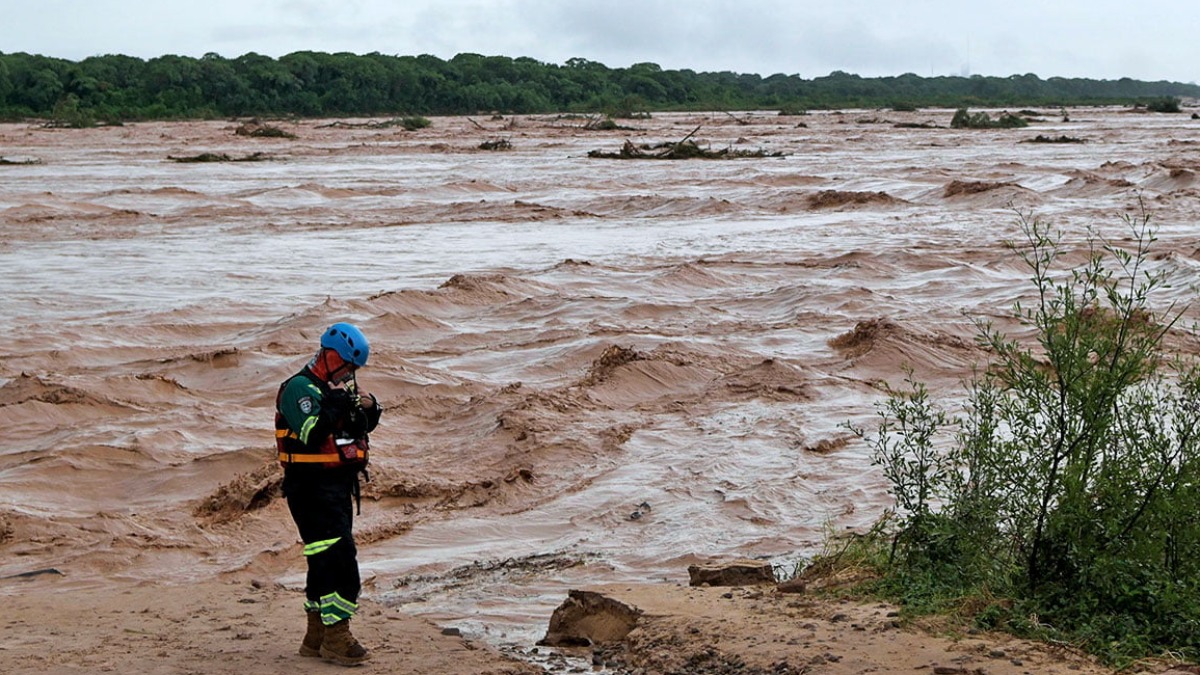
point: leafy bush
(1062, 501)
(630, 107)
(1164, 104)
(68, 114)
(414, 122)
(965, 120)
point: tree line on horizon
(114, 87)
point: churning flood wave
(594, 370)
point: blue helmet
(349, 342)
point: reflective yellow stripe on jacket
(307, 429)
(306, 458)
(301, 458)
(320, 546)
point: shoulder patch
(306, 405)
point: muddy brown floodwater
(595, 371)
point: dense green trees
(115, 87)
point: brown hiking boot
(314, 636)
(340, 646)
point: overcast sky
(1103, 39)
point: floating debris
(1055, 139)
(255, 130)
(685, 148)
(219, 157)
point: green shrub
(630, 107)
(414, 122)
(1007, 121)
(1061, 502)
(1164, 104)
(68, 114)
(606, 124)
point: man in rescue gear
(321, 427)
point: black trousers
(322, 505)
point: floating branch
(262, 131)
(685, 148)
(682, 150)
(600, 123)
(219, 157)
(963, 119)
(743, 122)
(410, 123)
(1053, 139)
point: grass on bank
(1062, 503)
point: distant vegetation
(113, 88)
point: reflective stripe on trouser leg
(310, 606)
(320, 546)
(335, 608)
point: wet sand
(596, 371)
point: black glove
(371, 413)
(354, 424)
(337, 408)
(337, 402)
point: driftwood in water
(45, 571)
(1055, 139)
(684, 148)
(219, 157)
(603, 123)
(498, 144)
(738, 119)
(256, 130)
(410, 123)
(360, 125)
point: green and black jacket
(319, 426)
